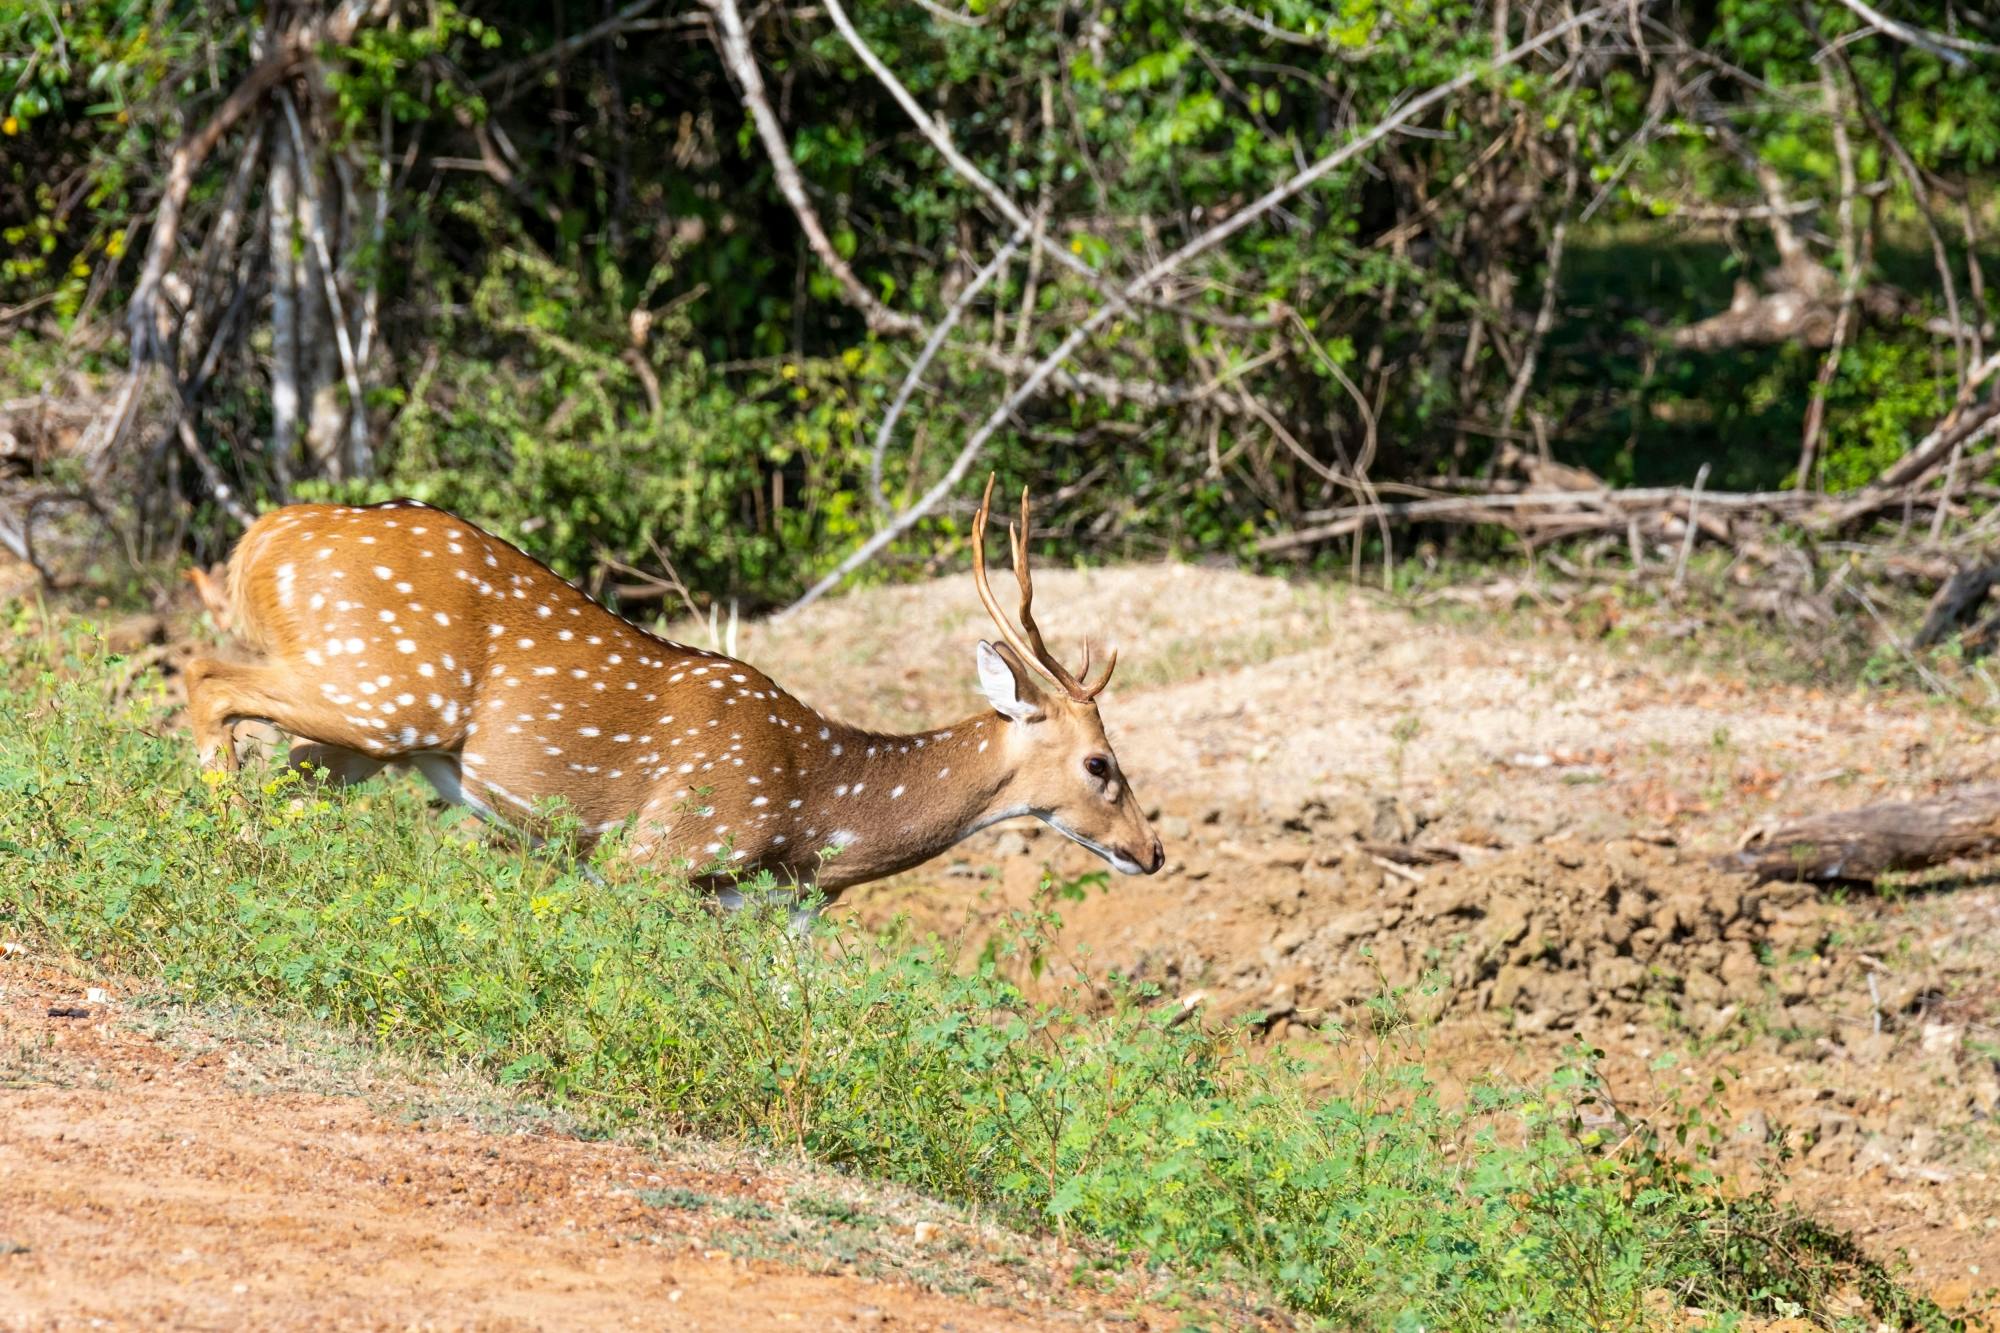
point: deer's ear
(1006, 684)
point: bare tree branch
(1942, 45)
(294, 47)
(1599, 508)
(1913, 176)
(142, 311)
(569, 45)
(960, 163)
(219, 487)
(953, 15)
(924, 358)
(1146, 281)
(359, 452)
(879, 317)
(1850, 282)
(734, 42)
(1551, 286)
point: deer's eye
(1097, 766)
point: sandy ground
(158, 1173)
(1550, 806)
(1575, 794)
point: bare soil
(1509, 825)
(1571, 796)
(165, 1171)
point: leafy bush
(541, 429)
(1378, 1206)
(1377, 325)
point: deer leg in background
(221, 694)
(343, 767)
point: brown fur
(398, 633)
(214, 597)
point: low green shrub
(1379, 1206)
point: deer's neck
(889, 802)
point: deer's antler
(1031, 648)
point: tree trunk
(320, 360)
(285, 278)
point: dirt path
(154, 1176)
(1550, 803)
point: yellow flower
(10, 126)
(215, 777)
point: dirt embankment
(156, 1172)
(1514, 831)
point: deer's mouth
(1122, 862)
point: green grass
(627, 1002)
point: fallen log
(1560, 501)
(1956, 601)
(1547, 514)
(1874, 840)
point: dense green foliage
(601, 327)
(1376, 1207)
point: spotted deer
(397, 633)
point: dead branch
(1237, 17)
(1956, 601)
(225, 494)
(1874, 840)
(1570, 510)
(147, 338)
(1850, 282)
(1551, 284)
(1158, 271)
(359, 451)
(1913, 176)
(953, 15)
(337, 28)
(924, 358)
(569, 45)
(1804, 302)
(1942, 45)
(1693, 526)
(1959, 428)
(733, 41)
(973, 176)
(1408, 854)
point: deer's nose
(1159, 856)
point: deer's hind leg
(343, 767)
(221, 694)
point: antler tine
(1031, 647)
(1095, 688)
(1018, 537)
(984, 584)
(1092, 689)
